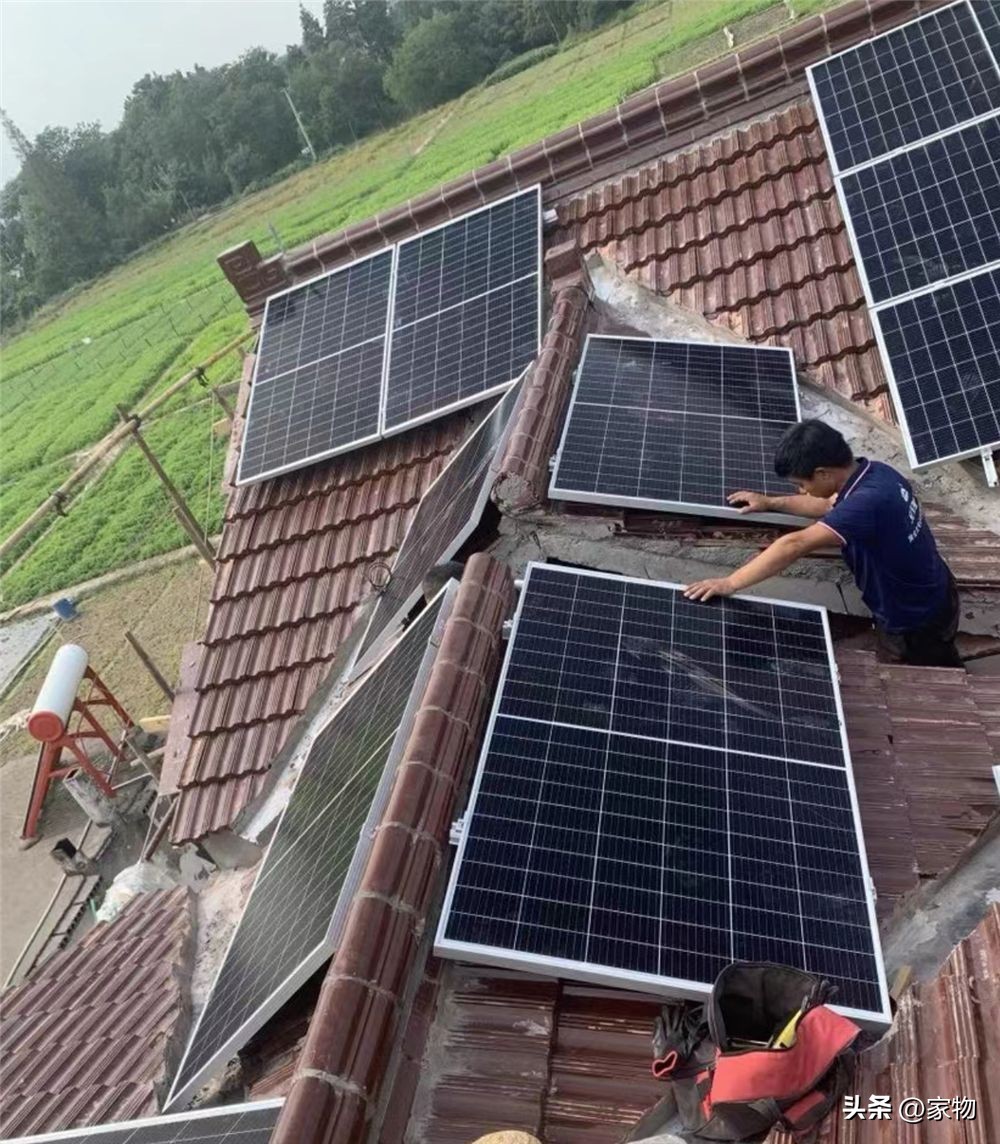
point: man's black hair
(808, 446)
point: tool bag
(765, 1052)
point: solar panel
(922, 78)
(664, 788)
(928, 213)
(233, 1124)
(317, 387)
(674, 425)
(942, 349)
(293, 918)
(466, 310)
(447, 516)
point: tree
(313, 39)
(63, 234)
(437, 60)
(365, 25)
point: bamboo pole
(184, 515)
(56, 500)
(150, 666)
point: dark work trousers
(933, 645)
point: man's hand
(750, 502)
(707, 589)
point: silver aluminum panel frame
(362, 662)
(433, 415)
(239, 480)
(605, 975)
(138, 1125)
(568, 493)
(314, 958)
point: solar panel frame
(566, 492)
(600, 974)
(933, 16)
(903, 408)
(173, 1126)
(390, 431)
(256, 384)
(365, 654)
(311, 960)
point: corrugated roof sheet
(92, 1036)
(293, 567)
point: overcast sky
(64, 62)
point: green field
(131, 333)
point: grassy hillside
(133, 331)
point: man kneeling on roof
(871, 511)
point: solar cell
(674, 425)
(447, 515)
(317, 387)
(925, 77)
(466, 317)
(942, 349)
(664, 788)
(929, 213)
(297, 907)
(235, 1124)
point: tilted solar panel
(466, 311)
(942, 350)
(915, 81)
(929, 213)
(674, 425)
(233, 1124)
(296, 909)
(317, 387)
(664, 788)
(447, 516)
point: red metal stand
(48, 767)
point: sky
(64, 62)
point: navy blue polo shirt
(889, 548)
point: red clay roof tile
(294, 566)
(91, 1036)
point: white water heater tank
(50, 715)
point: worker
(872, 513)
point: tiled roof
(746, 229)
(945, 1044)
(293, 567)
(920, 740)
(93, 1035)
(488, 1049)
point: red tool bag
(766, 1052)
